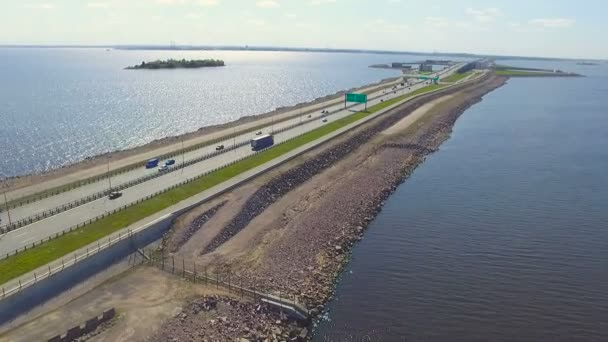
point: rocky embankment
(307, 264)
(173, 242)
(305, 260)
(216, 318)
(276, 188)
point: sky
(548, 28)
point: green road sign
(359, 98)
(436, 78)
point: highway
(53, 224)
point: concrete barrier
(90, 326)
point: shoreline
(86, 165)
(270, 250)
(320, 205)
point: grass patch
(515, 73)
(46, 252)
(455, 77)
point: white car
(163, 168)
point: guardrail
(17, 202)
(70, 205)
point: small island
(175, 63)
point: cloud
(192, 16)
(436, 21)
(321, 2)
(97, 5)
(552, 22)
(267, 4)
(171, 2)
(42, 6)
(256, 22)
(484, 15)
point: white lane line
(28, 240)
(18, 235)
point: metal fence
(223, 277)
(67, 261)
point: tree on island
(173, 63)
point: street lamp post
(109, 176)
(8, 211)
(183, 156)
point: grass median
(455, 77)
(520, 73)
(31, 259)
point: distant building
(483, 64)
(426, 67)
(438, 62)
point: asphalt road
(53, 224)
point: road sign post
(354, 97)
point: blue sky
(557, 28)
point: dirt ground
(143, 297)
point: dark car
(259, 133)
(114, 195)
(219, 147)
(170, 162)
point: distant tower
(172, 45)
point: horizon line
(284, 48)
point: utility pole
(8, 211)
(109, 176)
(183, 156)
(272, 125)
(234, 138)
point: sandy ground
(30, 184)
(144, 298)
(415, 116)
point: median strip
(54, 249)
(13, 203)
(455, 77)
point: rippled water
(500, 236)
(58, 106)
